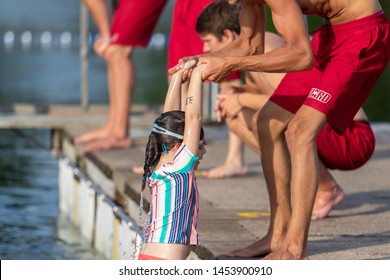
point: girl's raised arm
(193, 111)
(173, 97)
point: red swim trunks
(148, 257)
(134, 21)
(348, 60)
(349, 151)
(184, 40)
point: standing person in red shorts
(132, 26)
(336, 75)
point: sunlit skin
(191, 136)
(292, 56)
(211, 43)
(234, 164)
(287, 141)
(252, 96)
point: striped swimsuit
(174, 201)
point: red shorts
(184, 40)
(148, 257)
(349, 151)
(134, 21)
(348, 60)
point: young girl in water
(175, 147)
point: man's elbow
(301, 56)
(307, 60)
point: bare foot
(138, 170)
(288, 251)
(99, 133)
(325, 201)
(225, 171)
(258, 249)
(284, 255)
(108, 144)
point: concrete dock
(234, 211)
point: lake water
(31, 226)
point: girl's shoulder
(183, 162)
(183, 151)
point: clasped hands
(227, 104)
(215, 70)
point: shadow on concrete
(350, 242)
(383, 154)
(380, 199)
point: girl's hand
(185, 66)
(198, 70)
(189, 64)
(173, 99)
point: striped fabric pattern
(174, 201)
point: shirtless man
(218, 25)
(349, 54)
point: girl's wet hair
(172, 121)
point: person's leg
(329, 194)
(234, 162)
(121, 80)
(343, 152)
(272, 124)
(300, 136)
(241, 131)
(132, 25)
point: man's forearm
(280, 60)
(99, 12)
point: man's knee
(261, 119)
(118, 52)
(232, 124)
(299, 134)
(271, 121)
